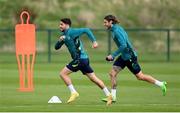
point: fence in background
(167, 35)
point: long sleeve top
(73, 42)
(120, 37)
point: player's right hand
(95, 45)
(109, 58)
(61, 38)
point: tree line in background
(131, 13)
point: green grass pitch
(132, 95)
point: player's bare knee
(61, 74)
(139, 78)
(116, 69)
(111, 74)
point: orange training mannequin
(25, 52)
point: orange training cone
(25, 52)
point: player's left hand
(61, 38)
(95, 45)
(109, 58)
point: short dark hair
(66, 21)
(111, 18)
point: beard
(62, 30)
(108, 27)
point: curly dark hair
(66, 21)
(111, 18)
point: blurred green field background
(151, 46)
(132, 94)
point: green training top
(120, 37)
(73, 42)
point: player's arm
(122, 44)
(88, 32)
(121, 48)
(59, 43)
